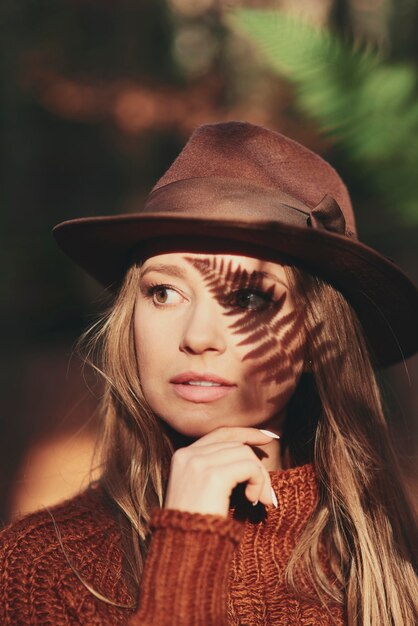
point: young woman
(248, 473)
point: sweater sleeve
(51, 560)
(186, 572)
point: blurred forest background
(98, 97)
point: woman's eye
(161, 294)
(250, 300)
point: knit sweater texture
(200, 570)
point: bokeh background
(98, 97)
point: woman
(248, 475)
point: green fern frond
(367, 105)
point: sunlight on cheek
(154, 342)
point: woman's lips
(187, 386)
(187, 377)
(196, 393)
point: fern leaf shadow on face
(274, 337)
(271, 335)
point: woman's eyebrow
(179, 272)
(164, 268)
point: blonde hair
(363, 518)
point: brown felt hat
(243, 184)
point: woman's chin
(179, 439)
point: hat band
(217, 198)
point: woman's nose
(204, 330)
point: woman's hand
(203, 475)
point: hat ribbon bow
(327, 215)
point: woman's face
(218, 341)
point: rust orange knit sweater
(201, 570)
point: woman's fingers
(234, 453)
(214, 448)
(203, 475)
(215, 440)
(251, 436)
(258, 487)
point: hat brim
(385, 300)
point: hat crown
(246, 152)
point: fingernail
(269, 433)
(274, 498)
(254, 503)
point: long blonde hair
(363, 518)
